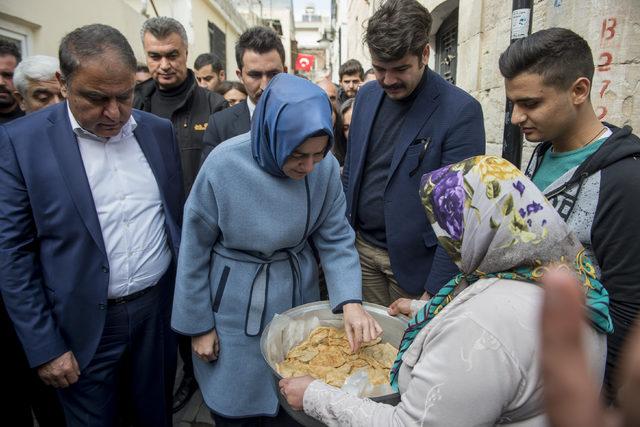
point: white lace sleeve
(334, 407)
(464, 377)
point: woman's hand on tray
(400, 306)
(293, 390)
(359, 325)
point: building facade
(313, 34)
(277, 15)
(281, 18)
(468, 36)
(38, 26)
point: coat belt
(256, 308)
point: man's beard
(6, 101)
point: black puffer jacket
(189, 120)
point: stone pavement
(195, 413)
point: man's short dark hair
(162, 27)
(142, 68)
(88, 42)
(205, 59)
(559, 55)
(350, 67)
(260, 40)
(9, 48)
(398, 28)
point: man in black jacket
(9, 58)
(173, 93)
(588, 169)
(260, 56)
(209, 71)
(351, 77)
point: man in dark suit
(90, 218)
(260, 56)
(409, 122)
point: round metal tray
(393, 328)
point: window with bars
(217, 43)
(447, 48)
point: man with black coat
(351, 76)
(10, 57)
(173, 93)
(260, 56)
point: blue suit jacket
(54, 271)
(452, 121)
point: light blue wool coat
(245, 256)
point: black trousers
(184, 347)
(623, 321)
(23, 390)
(134, 364)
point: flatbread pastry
(326, 355)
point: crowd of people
(155, 210)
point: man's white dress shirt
(251, 106)
(129, 207)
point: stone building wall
(611, 27)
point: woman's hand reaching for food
(359, 325)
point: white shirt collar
(125, 132)
(252, 107)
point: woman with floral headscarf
(469, 356)
(245, 254)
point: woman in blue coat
(245, 254)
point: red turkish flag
(304, 62)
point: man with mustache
(410, 122)
(351, 76)
(173, 92)
(36, 83)
(9, 58)
(209, 71)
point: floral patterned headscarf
(494, 222)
